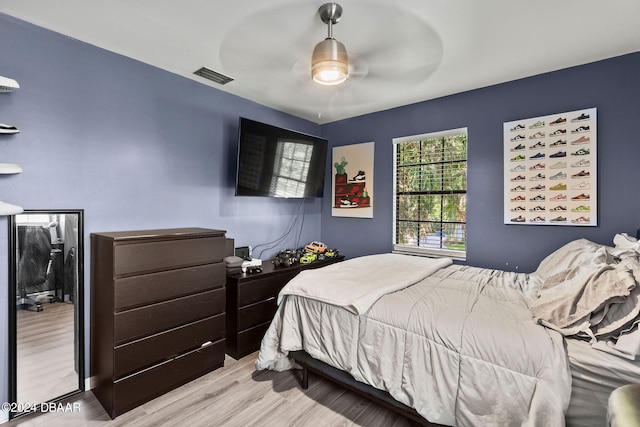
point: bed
(461, 345)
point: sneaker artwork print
(552, 160)
(353, 180)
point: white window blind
(430, 194)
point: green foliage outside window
(431, 186)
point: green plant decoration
(340, 166)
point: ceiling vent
(214, 76)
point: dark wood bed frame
(309, 364)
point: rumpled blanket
(356, 284)
(591, 291)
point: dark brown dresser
(252, 302)
(157, 312)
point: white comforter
(459, 346)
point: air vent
(213, 76)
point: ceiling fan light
(329, 62)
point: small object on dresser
(233, 264)
(252, 269)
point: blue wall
(134, 146)
(140, 148)
(611, 86)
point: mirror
(46, 332)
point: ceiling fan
(390, 50)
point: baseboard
(87, 384)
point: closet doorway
(46, 307)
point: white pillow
(624, 241)
(571, 255)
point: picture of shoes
(8, 129)
(581, 208)
(537, 135)
(581, 174)
(558, 143)
(359, 177)
(581, 197)
(581, 140)
(581, 129)
(581, 220)
(559, 154)
(558, 198)
(581, 164)
(558, 187)
(346, 203)
(559, 175)
(559, 165)
(581, 186)
(581, 152)
(567, 191)
(581, 118)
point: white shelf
(9, 209)
(8, 85)
(9, 168)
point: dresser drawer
(143, 386)
(255, 314)
(150, 288)
(167, 345)
(145, 257)
(143, 321)
(249, 340)
(251, 291)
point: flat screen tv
(276, 162)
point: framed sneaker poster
(550, 170)
(352, 180)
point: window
(430, 194)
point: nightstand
(252, 302)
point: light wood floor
(235, 395)
(45, 347)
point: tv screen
(276, 162)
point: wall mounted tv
(276, 162)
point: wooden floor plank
(234, 395)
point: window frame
(422, 250)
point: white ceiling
(404, 51)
